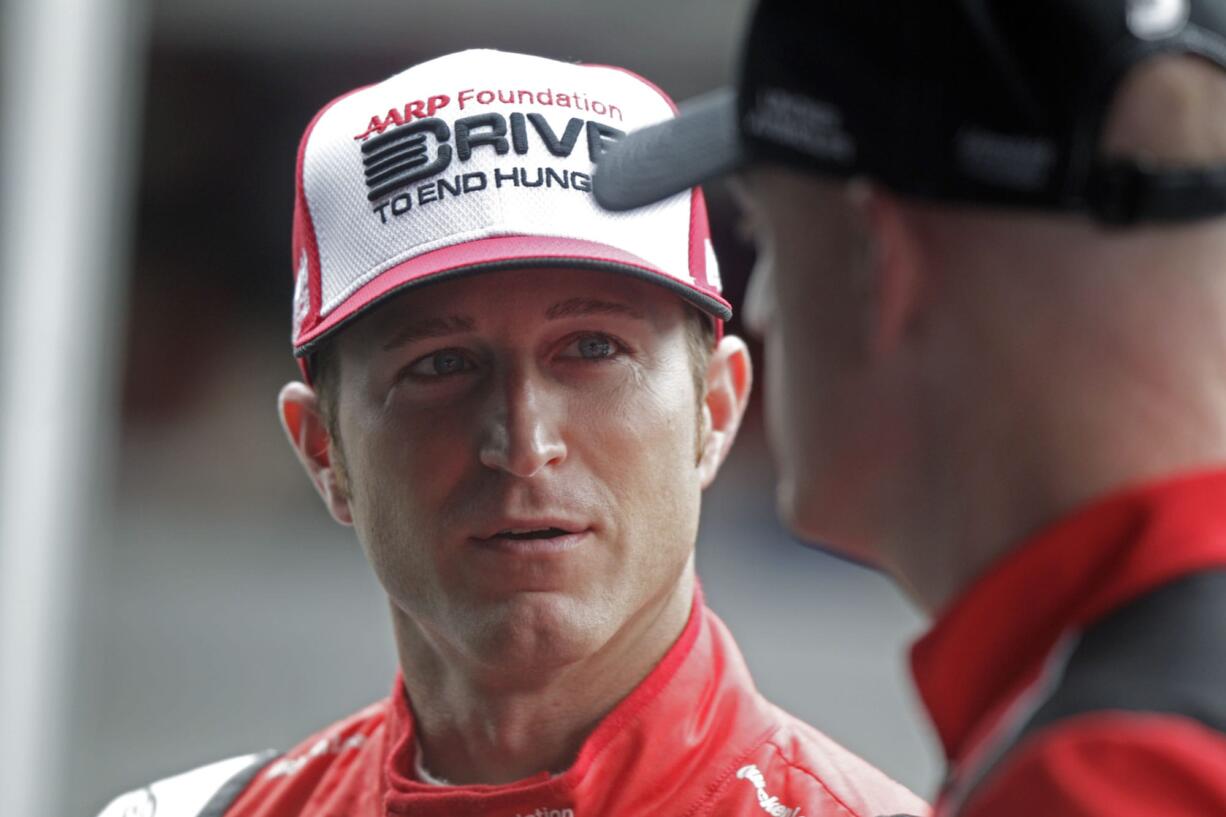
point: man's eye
(440, 364)
(592, 347)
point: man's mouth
(540, 539)
(538, 533)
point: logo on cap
(1155, 19)
(394, 162)
(801, 123)
(401, 156)
(302, 295)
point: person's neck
(1095, 364)
(494, 725)
(991, 491)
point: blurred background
(174, 593)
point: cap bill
(662, 160)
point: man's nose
(523, 433)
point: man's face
(520, 458)
(808, 302)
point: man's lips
(536, 527)
(533, 536)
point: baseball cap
(995, 102)
(472, 162)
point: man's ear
(729, 380)
(895, 264)
(308, 435)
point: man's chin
(536, 631)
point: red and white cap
(478, 161)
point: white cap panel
(467, 194)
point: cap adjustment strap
(1124, 191)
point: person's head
(514, 398)
(974, 221)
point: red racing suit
(694, 738)
(1085, 674)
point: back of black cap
(992, 101)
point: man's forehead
(472, 302)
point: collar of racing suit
(991, 644)
(659, 749)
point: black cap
(996, 102)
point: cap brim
(659, 161)
(503, 253)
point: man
(516, 400)
(991, 287)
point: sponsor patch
(804, 124)
(334, 745)
(766, 801)
(302, 294)
(133, 804)
(395, 162)
(1008, 160)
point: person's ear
(308, 434)
(729, 381)
(894, 261)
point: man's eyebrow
(579, 307)
(428, 328)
